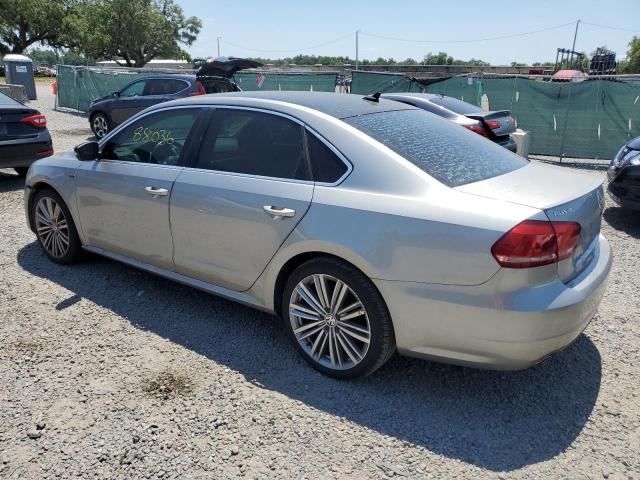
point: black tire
(22, 171)
(74, 250)
(95, 118)
(382, 339)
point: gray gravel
(108, 372)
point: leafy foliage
(430, 59)
(133, 32)
(632, 62)
(26, 22)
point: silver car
(369, 225)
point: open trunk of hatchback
(215, 75)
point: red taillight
(533, 243)
(479, 129)
(201, 90)
(45, 153)
(39, 120)
(493, 124)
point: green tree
(632, 63)
(27, 22)
(440, 58)
(133, 32)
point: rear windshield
(446, 151)
(455, 105)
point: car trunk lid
(501, 122)
(225, 67)
(564, 195)
(11, 127)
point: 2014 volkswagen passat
(369, 226)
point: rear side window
(254, 143)
(325, 165)
(134, 89)
(455, 105)
(446, 151)
(164, 86)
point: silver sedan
(369, 225)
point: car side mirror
(87, 151)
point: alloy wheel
(329, 322)
(100, 127)
(52, 227)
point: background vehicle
(368, 225)
(624, 176)
(24, 137)
(496, 126)
(214, 76)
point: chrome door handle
(279, 212)
(156, 192)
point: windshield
(446, 151)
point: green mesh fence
(591, 119)
(78, 86)
(320, 82)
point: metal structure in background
(590, 119)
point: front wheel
(54, 227)
(337, 319)
(100, 125)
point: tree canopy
(133, 32)
(632, 62)
(27, 22)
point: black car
(496, 126)
(24, 137)
(624, 176)
(214, 76)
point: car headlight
(635, 160)
(626, 156)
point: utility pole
(218, 39)
(575, 35)
(357, 32)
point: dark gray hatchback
(214, 76)
(24, 137)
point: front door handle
(279, 211)
(156, 192)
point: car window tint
(133, 89)
(325, 165)
(446, 151)
(455, 105)
(164, 86)
(157, 138)
(256, 143)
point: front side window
(133, 90)
(255, 143)
(157, 138)
(446, 151)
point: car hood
(536, 185)
(225, 66)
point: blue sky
(286, 28)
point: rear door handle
(156, 192)
(279, 211)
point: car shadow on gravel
(623, 219)
(495, 420)
(10, 182)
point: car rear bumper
(22, 153)
(482, 327)
(624, 187)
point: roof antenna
(373, 98)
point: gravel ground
(109, 372)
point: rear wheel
(100, 124)
(22, 171)
(54, 227)
(337, 319)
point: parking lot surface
(109, 372)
